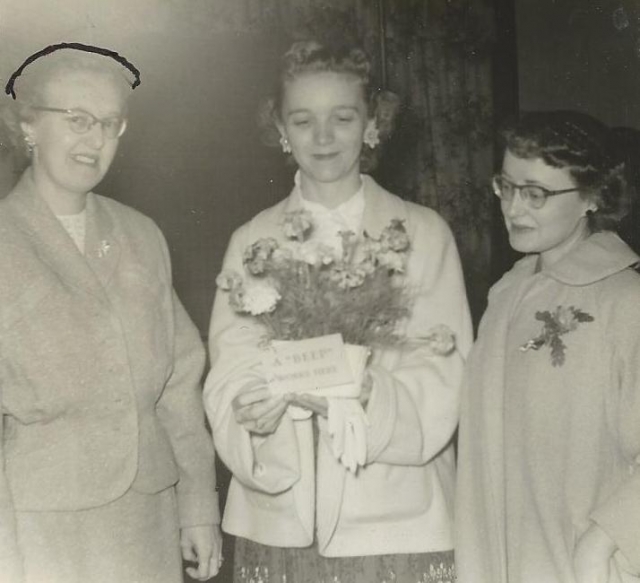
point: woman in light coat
(297, 512)
(549, 447)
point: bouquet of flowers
(301, 289)
(303, 292)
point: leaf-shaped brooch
(554, 325)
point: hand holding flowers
(299, 290)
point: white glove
(347, 425)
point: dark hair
(33, 80)
(586, 148)
(314, 57)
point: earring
(286, 146)
(371, 136)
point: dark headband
(9, 90)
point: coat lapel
(378, 210)
(51, 242)
(102, 249)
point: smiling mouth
(325, 156)
(86, 159)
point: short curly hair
(311, 56)
(30, 86)
(586, 148)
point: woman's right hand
(258, 411)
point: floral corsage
(556, 324)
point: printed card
(307, 366)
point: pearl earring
(286, 146)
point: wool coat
(401, 500)
(549, 438)
(100, 369)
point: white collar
(353, 207)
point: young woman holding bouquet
(549, 447)
(297, 511)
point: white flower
(260, 298)
(441, 340)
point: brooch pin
(103, 249)
(556, 324)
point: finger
(269, 423)
(316, 404)
(252, 396)
(274, 406)
(188, 554)
(194, 574)
(203, 569)
(214, 566)
(257, 410)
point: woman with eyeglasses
(549, 446)
(107, 468)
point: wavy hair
(30, 86)
(311, 56)
(586, 148)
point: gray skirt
(134, 539)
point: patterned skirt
(256, 563)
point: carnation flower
(260, 298)
(255, 256)
(347, 277)
(297, 225)
(392, 261)
(394, 237)
(441, 340)
(228, 280)
(566, 319)
(302, 289)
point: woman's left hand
(592, 556)
(202, 545)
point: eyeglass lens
(533, 195)
(81, 123)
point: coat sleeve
(619, 514)
(10, 557)
(181, 412)
(265, 463)
(413, 409)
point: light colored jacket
(401, 501)
(99, 368)
(544, 449)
